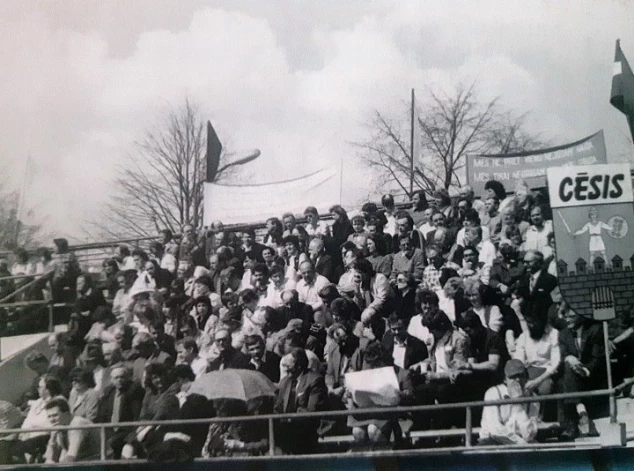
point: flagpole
(18, 213)
(341, 180)
(411, 147)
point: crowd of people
(459, 296)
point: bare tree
(448, 129)
(161, 184)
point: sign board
(531, 166)
(593, 216)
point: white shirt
(199, 366)
(446, 305)
(535, 239)
(168, 262)
(398, 353)
(510, 421)
(309, 293)
(418, 330)
(542, 353)
(487, 252)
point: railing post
(271, 438)
(468, 427)
(102, 442)
(51, 323)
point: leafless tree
(160, 185)
(447, 130)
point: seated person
(510, 423)
(583, 355)
(69, 446)
(449, 353)
(487, 355)
(378, 428)
(538, 348)
(406, 350)
(237, 438)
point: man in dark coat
(300, 391)
(406, 349)
(229, 357)
(121, 402)
(583, 357)
(537, 284)
(324, 264)
(266, 362)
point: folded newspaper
(372, 388)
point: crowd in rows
(458, 296)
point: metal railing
(396, 411)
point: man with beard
(583, 354)
(538, 348)
(228, 356)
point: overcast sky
(81, 80)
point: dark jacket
(311, 394)
(538, 298)
(231, 359)
(334, 378)
(130, 408)
(415, 350)
(592, 351)
(270, 367)
(325, 266)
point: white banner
(589, 185)
(241, 204)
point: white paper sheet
(371, 388)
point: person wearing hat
(509, 423)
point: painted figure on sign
(595, 228)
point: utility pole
(411, 147)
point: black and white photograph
(317, 234)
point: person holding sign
(595, 228)
(393, 386)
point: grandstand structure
(615, 431)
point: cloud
(80, 86)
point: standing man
(324, 265)
(409, 260)
(121, 402)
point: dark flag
(622, 97)
(214, 148)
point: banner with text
(237, 204)
(531, 166)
